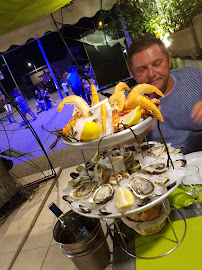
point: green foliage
(158, 17)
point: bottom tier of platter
(143, 169)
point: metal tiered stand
(118, 226)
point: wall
(180, 63)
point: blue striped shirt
(178, 128)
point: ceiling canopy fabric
(15, 14)
(21, 20)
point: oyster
(104, 211)
(84, 190)
(102, 173)
(128, 159)
(112, 179)
(141, 187)
(155, 168)
(180, 162)
(74, 175)
(84, 208)
(67, 198)
(103, 194)
(156, 150)
(176, 151)
(79, 181)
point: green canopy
(21, 20)
(15, 14)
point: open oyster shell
(155, 168)
(84, 190)
(141, 187)
(103, 194)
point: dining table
(176, 246)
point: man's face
(152, 66)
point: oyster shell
(104, 211)
(141, 187)
(79, 181)
(102, 173)
(103, 194)
(155, 168)
(84, 190)
(112, 179)
(180, 162)
(84, 208)
(156, 150)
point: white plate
(115, 138)
(195, 158)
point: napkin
(179, 198)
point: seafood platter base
(153, 180)
(115, 138)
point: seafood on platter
(145, 181)
(111, 115)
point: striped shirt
(178, 128)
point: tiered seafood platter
(144, 173)
(124, 181)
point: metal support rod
(177, 241)
(10, 73)
(50, 68)
(85, 163)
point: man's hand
(196, 113)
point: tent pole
(50, 69)
(10, 72)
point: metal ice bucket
(92, 252)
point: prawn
(115, 120)
(143, 102)
(95, 96)
(72, 122)
(120, 86)
(79, 102)
(144, 88)
(103, 112)
(118, 99)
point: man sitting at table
(149, 62)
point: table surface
(122, 261)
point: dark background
(108, 64)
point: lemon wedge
(91, 131)
(124, 198)
(133, 117)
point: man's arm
(196, 113)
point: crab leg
(95, 96)
(118, 99)
(143, 102)
(103, 112)
(144, 88)
(78, 102)
(120, 86)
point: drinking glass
(192, 185)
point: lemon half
(124, 198)
(133, 117)
(91, 131)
